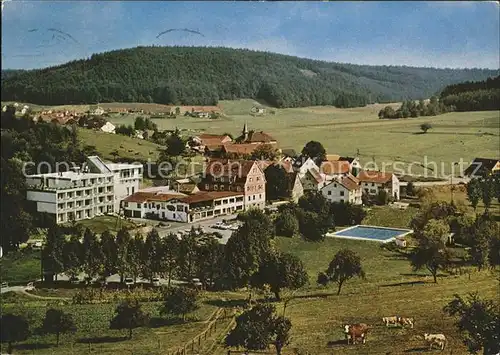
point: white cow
(435, 339)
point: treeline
(412, 109)
(205, 75)
(22, 141)
(473, 96)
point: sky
(38, 34)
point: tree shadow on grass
(227, 303)
(417, 350)
(100, 340)
(32, 346)
(423, 275)
(333, 343)
(406, 283)
(157, 322)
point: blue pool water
(373, 233)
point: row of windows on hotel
(87, 192)
(179, 208)
(87, 202)
(238, 188)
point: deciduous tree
(345, 265)
(474, 192)
(57, 322)
(479, 322)
(13, 329)
(179, 301)
(259, 327)
(129, 315)
(431, 252)
(280, 270)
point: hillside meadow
(358, 130)
(317, 314)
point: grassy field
(344, 131)
(317, 313)
(127, 147)
(102, 223)
(94, 335)
(22, 266)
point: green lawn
(21, 266)
(389, 217)
(102, 223)
(127, 147)
(93, 327)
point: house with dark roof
(483, 166)
(243, 176)
(343, 189)
(254, 137)
(312, 180)
(372, 181)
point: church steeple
(245, 131)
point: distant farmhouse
(483, 166)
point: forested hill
(473, 96)
(204, 75)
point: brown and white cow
(390, 320)
(403, 321)
(356, 331)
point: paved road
(454, 181)
(12, 289)
(175, 227)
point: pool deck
(404, 232)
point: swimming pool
(374, 233)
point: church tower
(245, 132)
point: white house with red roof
(372, 181)
(343, 189)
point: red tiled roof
(316, 175)
(213, 139)
(232, 168)
(165, 197)
(374, 176)
(349, 183)
(208, 196)
(331, 167)
(141, 197)
(240, 148)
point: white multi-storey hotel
(95, 189)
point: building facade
(343, 189)
(82, 193)
(178, 207)
(373, 181)
(237, 176)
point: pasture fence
(196, 344)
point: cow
(406, 321)
(355, 331)
(435, 339)
(390, 320)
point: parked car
(196, 282)
(156, 282)
(30, 287)
(4, 285)
(234, 227)
(74, 280)
(129, 281)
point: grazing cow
(355, 331)
(390, 320)
(435, 339)
(406, 321)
